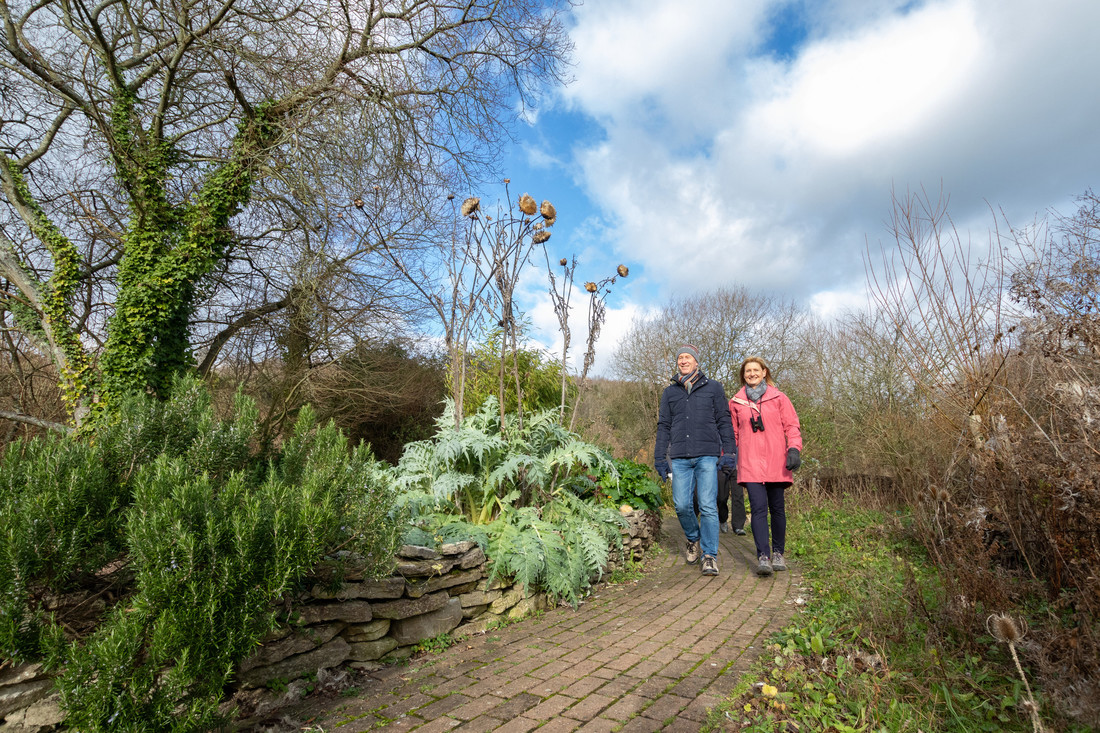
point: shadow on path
(652, 655)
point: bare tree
(155, 160)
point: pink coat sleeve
(791, 427)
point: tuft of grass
(868, 651)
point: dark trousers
(765, 500)
(728, 489)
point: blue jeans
(688, 476)
(765, 499)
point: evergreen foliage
(210, 535)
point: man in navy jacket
(694, 440)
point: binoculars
(757, 423)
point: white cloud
(721, 167)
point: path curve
(652, 655)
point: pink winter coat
(762, 456)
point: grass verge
(869, 651)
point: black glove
(662, 469)
(794, 459)
(727, 464)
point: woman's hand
(794, 459)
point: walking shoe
(764, 569)
(777, 562)
(739, 532)
(710, 565)
(692, 553)
(724, 527)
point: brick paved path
(648, 656)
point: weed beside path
(647, 655)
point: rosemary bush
(210, 536)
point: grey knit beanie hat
(688, 349)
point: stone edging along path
(650, 655)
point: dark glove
(794, 459)
(662, 469)
(727, 464)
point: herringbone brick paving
(654, 655)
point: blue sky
(757, 142)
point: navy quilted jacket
(696, 424)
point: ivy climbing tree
(158, 160)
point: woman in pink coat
(769, 448)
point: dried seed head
(1006, 629)
(550, 222)
(470, 206)
(563, 262)
(507, 180)
(623, 270)
(358, 203)
(527, 204)
(540, 237)
(590, 287)
(942, 496)
(548, 211)
(450, 197)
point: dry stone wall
(359, 623)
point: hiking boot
(710, 565)
(764, 568)
(692, 553)
(739, 532)
(777, 562)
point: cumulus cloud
(723, 162)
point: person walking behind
(695, 432)
(766, 429)
(729, 490)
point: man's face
(686, 363)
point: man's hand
(662, 469)
(727, 464)
(794, 459)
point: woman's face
(754, 374)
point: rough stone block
(417, 588)
(424, 568)
(416, 552)
(472, 559)
(24, 694)
(376, 629)
(407, 607)
(368, 651)
(527, 606)
(458, 548)
(479, 597)
(382, 589)
(352, 612)
(510, 598)
(474, 611)
(44, 715)
(302, 640)
(332, 654)
(416, 629)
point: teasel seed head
(623, 270)
(548, 211)
(540, 237)
(590, 287)
(527, 204)
(470, 206)
(563, 262)
(1006, 629)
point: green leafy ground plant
(867, 651)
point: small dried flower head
(563, 262)
(590, 287)
(540, 237)
(548, 211)
(941, 495)
(470, 206)
(358, 203)
(1006, 629)
(507, 180)
(450, 197)
(527, 204)
(623, 270)
(549, 222)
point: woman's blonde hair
(763, 365)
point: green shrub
(634, 487)
(210, 534)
